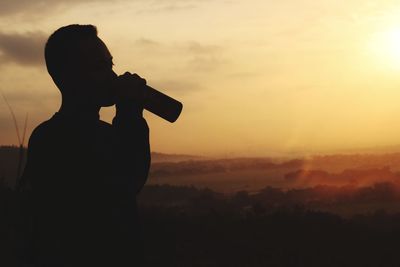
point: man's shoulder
(42, 131)
(53, 128)
(44, 128)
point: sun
(385, 45)
(392, 40)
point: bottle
(162, 105)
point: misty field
(341, 210)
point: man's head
(80, 64)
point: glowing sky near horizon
(256, 77)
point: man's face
(92, 73)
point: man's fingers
(139, 79)
(132, 86)
(134, 78)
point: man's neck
(79, 110)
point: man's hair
(61, 46)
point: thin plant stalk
(21, 148)
(21, 141)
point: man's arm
(132, 144)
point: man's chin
(107, 104)
(107, 101)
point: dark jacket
(85, 174)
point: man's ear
(66, 82)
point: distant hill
(162, 157)
(232, 174)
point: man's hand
(130, 93)
(131, 86)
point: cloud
(23, 97)
(180, 87)
(10, 7)
(198, 57)
(147, 43)
(27, 49)
(202, 49)
(23, 49)
(204, 58)
(171, 6)
(243, 75)
(13, 7)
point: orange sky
(256, 78)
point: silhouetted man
(85, 173)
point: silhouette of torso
(84, 175)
